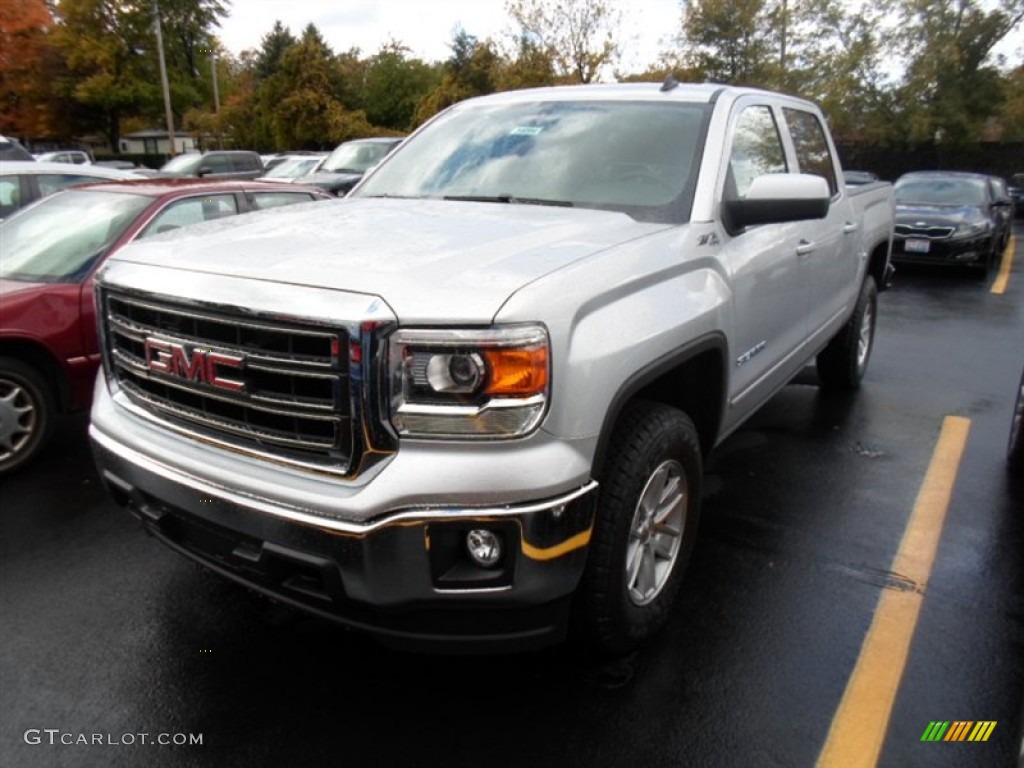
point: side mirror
(776, 198)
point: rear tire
(842, 364)
(647, 512)
(26, 413)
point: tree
(189, 46)
(472, 70)
(272, 48)
(951, 87)
(530, 66)
(105, 46)
(24, 61)
(836, 57)
(577, 35)
(395, 85)
(110, 51)
(731, 41)
(305, 112)
(1012, 113)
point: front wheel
(841, 365)
(26, 413)
(645, 529)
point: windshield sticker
(526, 130)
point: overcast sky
(426, 26)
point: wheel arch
(880, 265)
(691, 378)
(37, 356)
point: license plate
(917, 246)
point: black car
(1016, 190)
(951, 218)
(345, 166)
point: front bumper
(947, 251)
(404, 577)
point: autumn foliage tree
(25, 57)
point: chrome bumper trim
(311, 517)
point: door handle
(850, 227)
(806, 248)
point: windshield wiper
(508, 199)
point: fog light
(484, 547)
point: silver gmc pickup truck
(467, 407)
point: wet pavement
(105, 635)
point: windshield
(182, 164)
(355, 156)
(639, 158)
(941, 191)
(59, 239)
(293, 168)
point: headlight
(971, 229)
(489, 383)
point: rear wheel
(842, 364)
(26, 413)
(646, 525)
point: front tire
(842, 364)
(646, 525)
(26, 413)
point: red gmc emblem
(202, 365)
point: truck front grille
(274, 387)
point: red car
(49, 252)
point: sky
(427, 26)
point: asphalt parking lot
(858, 577)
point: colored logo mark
(958, 730)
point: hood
(429, 260)
(330, 179)
(931, 214)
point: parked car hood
(11, 290)
(910, 213)
(329, 177)
(417, 255)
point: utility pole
(216, 95)
(163, 77)
(213, 73)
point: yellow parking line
(1003, 278)
(860, 723)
